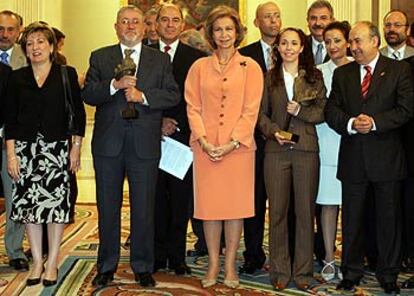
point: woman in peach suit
(223, 95)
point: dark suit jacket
(4, 76)
(309, 45)
(30, 109)
(184, 57)
(379, 155)
(156, 81)
(255, 51)
(273, 116)
(408, 131)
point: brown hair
(45, 30)
(220, 12)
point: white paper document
(176, 157)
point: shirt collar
(9, 52)
(372, 64)
(315, 44)
(137, 49)
(173, 47)
(401, 51)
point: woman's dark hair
(45, 30)
(305, 59)
(344, 27)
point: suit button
(221, 123)
(221, 115)
(224, 79)
(222, 105)
(224, 97)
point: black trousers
(172, 204)
(408, 218)
(387, 197)
(254, 226)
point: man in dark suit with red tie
(174, 197)
(268, 20)
(371, 99)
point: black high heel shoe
(34, 281)
(48, 283)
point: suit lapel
(145, 62)
(377, 76)
(115, 57)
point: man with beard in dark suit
(408, 206)
(174, 197)
(127, 141)
(268, 20)
(371, 99)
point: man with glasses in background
(396, 29)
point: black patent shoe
(249, 267)
(181, 269)
(145, 279)
(391, 288)
(19, 264)
(103, 279)
(347, 285)
(33, 282)
(48, 283)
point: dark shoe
(32, 282)
(19, 264)
(145, 279)
(249, 267)
(408, 284)
(197, 253)
(159, 265)
(181, 269)
(102, 279)
(390, 288)
(347, 285)
(48, 283)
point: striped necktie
(366, 82)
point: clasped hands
(216, 153)
(363, 123)
(128, 83)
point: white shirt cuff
(349, 128)
(112, 89)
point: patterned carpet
(77, 269)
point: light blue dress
(330, 192)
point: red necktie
(167, 48)
(366, 81)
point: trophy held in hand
(127, 67)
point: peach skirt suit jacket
(223, 105)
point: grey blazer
(155, 80)
(409, 51)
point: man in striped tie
(371, 99)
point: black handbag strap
(66, 86)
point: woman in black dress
(38, 155)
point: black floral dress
(41, 195)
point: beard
(397, 40)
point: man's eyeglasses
(395, 25)
(127, 22)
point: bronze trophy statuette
(127, 67)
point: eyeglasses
(127, 22)
(396, 25)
